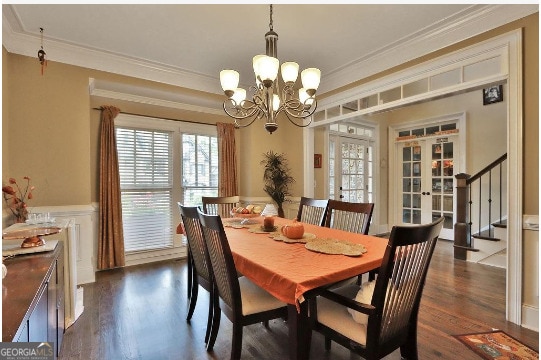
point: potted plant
(277, 178)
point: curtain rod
(164, 118)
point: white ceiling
(187, 45)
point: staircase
(491, 246)
(480, 200)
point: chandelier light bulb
(290, 71)
(304, 98)
(267, 67)
(275, 102)
(310, 79)
(239, 96)
(255, 64)
(229, 79)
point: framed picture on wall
(492, 94)
(317, 160)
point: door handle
(426, 193)
(341, 196)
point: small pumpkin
(294, 230)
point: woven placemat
(335, 247)
(305, 238)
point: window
(145, 166)
(161, 163)
(199, 167)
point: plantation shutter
(145, 167)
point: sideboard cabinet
(33, 298)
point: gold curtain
(110, 236)
(227, 163)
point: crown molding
(478, 19)
(25, 44)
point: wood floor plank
(139, 312)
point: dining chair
(312, 211)
(243, 302)
(199, 268)
(352, 217)
(349, 216)
(393, 310)
(219, 205)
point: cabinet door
(52, 325)
(24, 333)
(60, 303)
(37, 322)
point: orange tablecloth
(287, 271)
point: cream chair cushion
(337, 317)
(255, 299)
(363, 296)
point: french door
(427, 181)
(351, 169)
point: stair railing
(465, 205)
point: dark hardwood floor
(139, 313)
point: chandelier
(266, 100)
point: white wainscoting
(84, 219)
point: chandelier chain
(270, 23)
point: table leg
(300, 334)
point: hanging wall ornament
(41, 54)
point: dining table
(291, 272)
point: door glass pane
(406, 154)
(406, 216)
(416, 217)
(416, 201)
(406, 185)
(416, 153)
(416, 169)
(448, 203)
(416, 184)
(406, 169)
(436, 202)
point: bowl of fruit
(249, 211)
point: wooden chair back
(312, 211)
(393, 311)
(219, 205)
(196, 242)
(399, 285)
(223, 266)
(348, 216)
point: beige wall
(50, 131)
(60, 150)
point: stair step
(485, 235)
(466, 248)
(500, 224)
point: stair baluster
(463, 227)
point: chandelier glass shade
(266, 99)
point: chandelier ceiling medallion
(267, 101)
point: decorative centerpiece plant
(277, 178)
(16, 196)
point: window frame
(177, 128)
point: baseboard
(144, 258)
(85, 275)
(530, 317)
